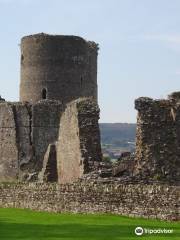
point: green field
(16, 224)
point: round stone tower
(57, 67)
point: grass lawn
(17, 224)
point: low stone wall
(149, 201)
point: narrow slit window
(81, 82)
(22, 58)
(44, 93)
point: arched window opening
(44, 93)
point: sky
(139, 46)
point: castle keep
(57, 68)
(58, 81)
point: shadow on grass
(18, 231)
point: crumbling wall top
(144, 103)
(174, 96)
(43, 36)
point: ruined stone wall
(8, 143)
(28, 135)
(45, 128)
(79, 140)
(158, 139)
(25, 133)
(49, 171)
(65, 67)
(150, 201)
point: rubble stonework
(49, 170)
(158, 139)
(79, 140)
(139, 200)
(8, 144)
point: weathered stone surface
(49, 170)
(25, 132)
(174, 96)
(57, 67)
(149, 201)
(28, 129)
(23, 137)
(158, 139)
(124, 167)
(89, 133)
(79, 139)
(45, 128)
(8, 144)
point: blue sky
(139, 45)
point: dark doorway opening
(44, 93)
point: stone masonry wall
(158, 139)
(45, 128)
(8, 145)
(150, 201)
(79, 140)
(64, 66)
(25, 132)
(28, 136)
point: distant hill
(115, 133)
